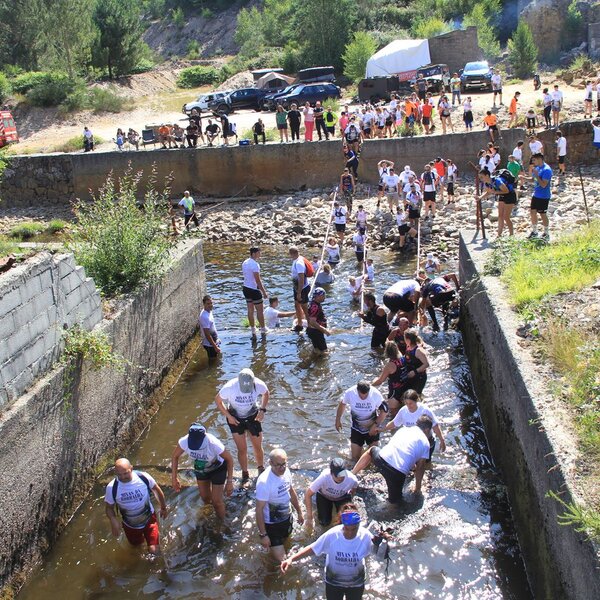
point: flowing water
(457, 541)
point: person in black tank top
(416, 361)
(377, 317)
(396, 375)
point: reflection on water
(457, 541)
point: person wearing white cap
(333, 487)
(247, 397)
(317, 321)
(213, 465)
(431, 266)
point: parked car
(271, 100)
(205, 102)
(476, 75)
(8, 129)
(437, 77)
(374, 89)
(310, 93)
(249, 98)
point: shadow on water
(456, 541)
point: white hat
(407, 168)
(430, 255)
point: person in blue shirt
(541, 175)
(504, 190)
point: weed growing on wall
(121, 241)
(582, 519)
(92, 346)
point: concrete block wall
(455, 48)
(54, 437)
(38, 299)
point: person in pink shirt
(344, 120)
(309, 122)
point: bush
(522, 51)
(51, 90)
(25, 231)
(356, 55)
(206, 13)
(26, 81)
(56, 226)
(291, 61)
(270, 135)
(5, 88)
(178, 17)
(74, 144)
(7, 246)
(120, 245)
(156, 8)
(427, 28)
(193, 49)
(197, 76)
(106, 100)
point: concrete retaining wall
(525, 440)
(38, 299)
(53, 438)
(455, 48)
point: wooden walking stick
(478, 208)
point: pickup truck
(205, 102)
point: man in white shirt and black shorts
(253, 289)
(403, 297)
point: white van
(205, 102)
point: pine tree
(356, 55)
(522, 51)
(486, 35)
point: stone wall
(455, 48)
(38, 299)
(254, 169)
(546, 18)
(528, 439)
(579, 136)
(593, 40)
(53, 438)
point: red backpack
(310, 270)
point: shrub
(143, 65)
(7, 246)
(291, 62)
(331, 103)
(193, 49)
(206, 13)
(50, 90)
(25, 231)
(28, 80)
(5, 88)
(106, 100)
(56, 226)
(356, 55)
(121, 245)
(78, 99)
(522, 51)
(197, 76)
(270, 135)
(156, 8)
(74, 144)
(178, 17)
(427, 28)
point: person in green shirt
(282, 124)
(514, 167)
(455, 87)
(330, 121)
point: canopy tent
(398, 57)
(274, 80)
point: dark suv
(270, 101)
(310, 93)
(476, 75)
(251, 98)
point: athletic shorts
(380, 188)
(442, 298)
(360, 439)
(360, 255)
(253, 296)
(325, 507)
(380, 127)
(340, 227)
(508, 198)
(149, 533)
(414, 213)
(429, 196)
(422, 95)
(212, 353)
(403, 229)
(395, 479)
(217, 477)
(396, 302)
(303, 295)
(540, 204)
(279, 532)
(426, 120)
(393, 198)
(282, 126)
(249, 424)
(367, 131)
(561, 160)
(498, 91)
(530, 122)
(493, 127)
(450, 189)
(317, 338)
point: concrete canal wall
(527, 439)
(54, 437)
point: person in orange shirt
(409, 114)
(426, 111)
(491, 122)
(164, 136)
(512, 110)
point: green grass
(532, 271)
(56, 226)
(74, 144)
(25, 231)
(271, 135)
(582, 519)
(7, 246)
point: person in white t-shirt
(273, 314)
(383, 167)
(391, 183)
(561, 151)
(345, 546)
(243, 402)
(518, 152)
(213, 465)
(208, 331)
(130, 492)
(429, 182)
(557, 104)
(496, 82)
(596, 140)
(403, 297)
(332, 488)
(274, 494)
(409, 414)
(301, 286)
(354, 288)
(368, 410)
(253, 289)
(338, 217)
(407, 450)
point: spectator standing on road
(309, 122)
(445, 117)
(455, 88)
(513, 110)
(497, 86)
(547, 102)
(330, 121)
(319, 113)
(587, 101)
(294, 117)
(468, 113)
(88, 139)
(282, 125)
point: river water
(457, 541)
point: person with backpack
(429, 185)
(129, 493)
(338, 216)
(352, 135)
(213, 466)
(502, 186)
(302, 270)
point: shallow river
(458, 541)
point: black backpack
(507, 176)
(116, 484)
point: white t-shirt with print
(243, 405)
(409, 419)
(390, 183)
(208, 457)
(275, 491)
(326, 486)
(249, 268)
(133, 499)
(363, 411)
(339, 215)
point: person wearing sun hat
(213, 466)
(317, 321)
(345, 546)
(333, 487)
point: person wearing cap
(213, 466)
(332, 488)
(408, 449)
(130, 492)
(375, 315)
(316, 328)
(247, 397)
(301, 286)
(431, 266)
(345, 546)
(208, 330)
(274, 494)
(368, 410)
(253, 290)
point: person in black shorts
(317, 322)
(402, 297)
(376, 316)
(438, 293)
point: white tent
(399, 57)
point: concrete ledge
(529, 440)
(53, 438)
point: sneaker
(253, 331)
(533, 235)
(264, 330)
